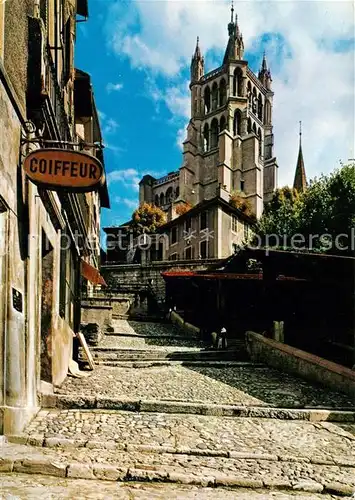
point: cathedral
(227, 155)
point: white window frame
(235, 223)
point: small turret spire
(235, 47)
(300, 182)
(265, 73)
(197, 63)
(264, 64)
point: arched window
(267, 114)
(206, 138)
(169, 195)
(207, 96)
(249, 95)
(249, 126)
(238, 82)
(214, 133)
(222, 92)
(254, 129)
(214, 96)
(162, 199)
(222, 123)
(255, 102)
(260, 142)
(177, 192)
(237, 121)
(156, 200)
(260, 108)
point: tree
(238, 200)
(147, 218)
(320, 219)
(183, 208)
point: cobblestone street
(187, 451)
(34, 487)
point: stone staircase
(125, 348)
(189, 415)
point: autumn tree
(147, 218)
(238, 200)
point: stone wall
(301, 363)
(98, 311)
(136, 274)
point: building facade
(44, 235)
(228, 150)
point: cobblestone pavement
(222, 385)
(36, 487)
(191, 449)
(145, 328)
(167, 344)
(278, 437)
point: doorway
(46, 309)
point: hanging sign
(56, 169)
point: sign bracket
(81, 145)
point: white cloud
(312, 81)
(114, 87)
(129, 178)
(126, 201)
(109, 126)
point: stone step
(157, 363)
(152, 336)
(114, 354)
(263, 411)
(259, 476)
(18, 486)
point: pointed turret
(235, 46)
(300, 182)
(265, 74)
(197, 64)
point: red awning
(92, 274)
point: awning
(92, 274)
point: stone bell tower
(229, 144)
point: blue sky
(138, 55)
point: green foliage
(324, 214)
(147, 219)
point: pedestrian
(222, 339)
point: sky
(138, 54)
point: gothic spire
(197, 63)
(264, 64)
(235, 47)
(197, 49)
(300, 182)
(265, 73)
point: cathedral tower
(229, 144)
